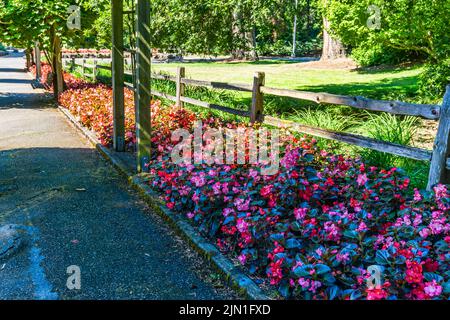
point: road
(62, 206)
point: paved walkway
(71, 208)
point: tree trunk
(37, 52)
(244, 40)
(332, 48)
(57, 71)
(294, 32)
(33, 62)
(28, 58)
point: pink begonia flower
(212, 173)
(241, 204)
(441, 191)
(314, 286)
(190, 215)
(266, 190)
(300, 213)
(217, 188)
(362, 227)
(436, 227)
(425, 232)
(362, 179)
(241, 225)
(417, 195)
(343, 257)
(304, 283)
(195, 198)
(242, 258)
(227, 211)
(433, 289)
(253, 173)
(199, 180)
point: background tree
(45, 21)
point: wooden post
(181, 73)
(73, 64)
(83, 68)
(28, 55)
(441, 150)
(117, 70)
(143, 94)
(94, 71)
(58, 78)
(37, 52)
(256, 110)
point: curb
(231, 273)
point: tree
(406, 26)
(27, 21)
(333, 48)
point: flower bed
(314, 229)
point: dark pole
(143, 66)
(118, 75)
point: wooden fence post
(37, 52)
(117, 71)
(257, 108)
(441, 150)
(143, 90)
(94, 71)
(73, 64)
(181, 73)
(83, 68)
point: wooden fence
(438, 157)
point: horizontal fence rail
(431, 112)
(438, 157)
(353, 139)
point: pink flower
(190, 215)
(343, 257)
(199, 180)
(217, 188)
(436, 227)
(266, 191)
(253, 173)
(304, 283)
(413, 272)
(441, 191)
(241, 225)
(433, 289)
(300, 213)
(362, 227)
(417, 195)
(425, 232)
(376, 294)
(227, 211)
(314, 286)
(242, 258)
(241, 204)
(362, 179)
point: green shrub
(368, 56)
(434, 79)
(284, 48)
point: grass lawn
(381, 84)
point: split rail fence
(438, 157)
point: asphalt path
(63, 209)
